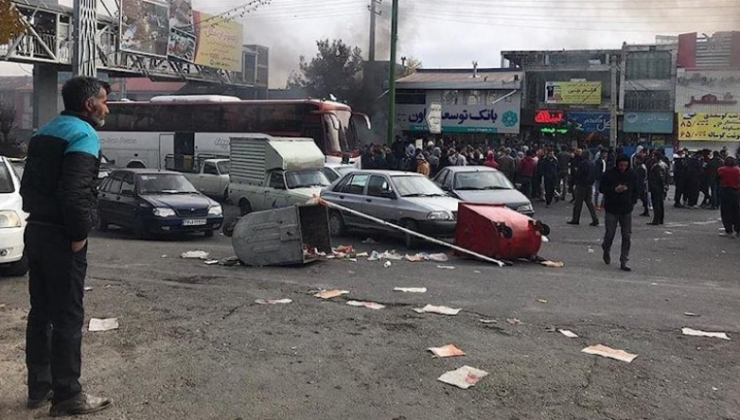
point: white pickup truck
(270, 172)
(208, 175)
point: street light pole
(392, 73)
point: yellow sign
(573, 93)
(709, 127)
(219, 42)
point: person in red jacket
(729, 187)
(526, 172)
(491, 161)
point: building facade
(478, 105)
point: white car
(12, 222)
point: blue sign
(648, 122)
(591, 122)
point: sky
(453, 33)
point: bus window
(331, 140)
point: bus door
(184, 150)
(166, 147)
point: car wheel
(336, 224)
(16, 269)
(244, 207)
(410, 241)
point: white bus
(142, 134)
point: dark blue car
(151, 202)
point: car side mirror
(388, 194)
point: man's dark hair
(623, 158)
(77, 90)
(730, 161)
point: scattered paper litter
(329, 294)
(195, 255)
(415, 258)
(441, 310)
(601, 350)
(488, 321)
(272, 301)
(513, 321)
(387, 264)
(410, 289)
(542, 300)
(440, 257)
(446, 267)
(464, 377)
(212, 262)
(568, 333)
(387, 255)
(88, 288)
(545, 239)
(107, 324)
(553, 264)
(368, 305)
(699, 333)
(690, 314)
(668, 233)
(361, 255)
(591, 250)
(449, 350)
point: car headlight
(525, 208)
(163, 212)
(439, 215)
(215, 211)
(9, 219)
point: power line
(537, 4)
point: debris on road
(194, 255)
(542, 300)
(604, 351)
(368, 305)
(449, 350)
(330, 294)
(568, 333)
(691, 314)
(591, 250)
(699, 333)
(272, 301)
(513, 321)
(414, 258)
(387, 264)
(464, 377)
(441, 310)
(553, 264)
(488, 321)
(106, 324)
(212, 262)
(410, 289)
(87, 288)
(446, 267)
(387, 255)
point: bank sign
(502, 117)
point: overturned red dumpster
(496, 231)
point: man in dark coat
(620, 189)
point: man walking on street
(729, 184)
(58, 192)
(619, 186)
(658, 186)
(583, 180)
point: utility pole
(84, 55)
(392, 73)
(614, 103)
(374, 12)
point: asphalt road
(192, 344)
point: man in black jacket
(58, 192)
(620, 189)
(583, 180)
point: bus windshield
(346, 135)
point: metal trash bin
(279, 236)
(498, 232)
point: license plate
(194, 222)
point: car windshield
(416, 186)
(483, 180)
(165, 184)
(223, 167)
(6, 181)
(306, 178)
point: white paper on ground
(605, 351)
(272, 301)
(446, 267)
(568, 333)
(195, 255)
(464, 378)
(410, 289)
(368, 305)
(442, 310)
(88, 288)
(107, 324)
(329, 294)
(449, 350)
(698, 333)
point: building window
(648, 65)
(411, 97)
(647, 101)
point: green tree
(335, 70)
(11, 23)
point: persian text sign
(462, 119)
(573, 93)
(219, 42)
(709, 127)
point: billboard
(648, 122)
(709, 126)
(503, 117)
(219, 42)
(145, 27)
(182, 42)
(573, 93)
(590, 122)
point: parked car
(335, 171)
(106, 167)
(12, 222)
(482, 185)
(151, 201)
(408, 199)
